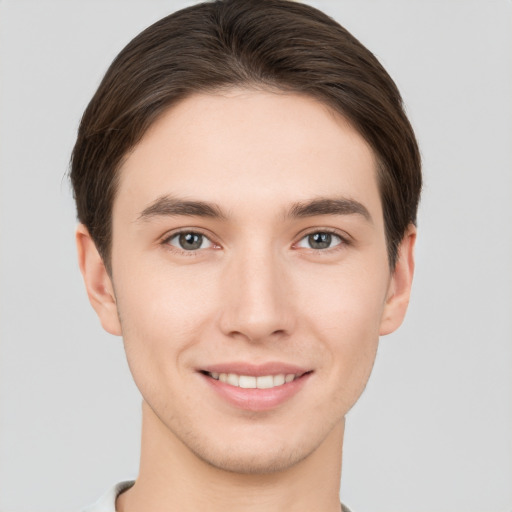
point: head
(267, 45)
(247, 185)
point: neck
(172, 478)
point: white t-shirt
(107, 503)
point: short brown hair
(271, 44)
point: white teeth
(279, 380)
(265, 382)
(245, 381)
(252, 382)
(233, 379)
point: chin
(246, 461)
(262, 449)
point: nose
(256, 298)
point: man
(247, 185)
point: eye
(189, 241)
(320, 240)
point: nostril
(258, 333)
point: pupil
(320, 240)
(190, 241)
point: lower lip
(254, 399)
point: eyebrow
(168, 206)
(329, 206)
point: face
(250, 278)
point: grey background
(433, 431)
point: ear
(399, 290)
(97, 281)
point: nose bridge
(255, 304)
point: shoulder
(107, 503)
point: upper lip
(257, 370)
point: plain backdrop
(433, 430)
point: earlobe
(400, 285)
(97, 281)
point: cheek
(344, 312)
(161, 314)
(349, 299)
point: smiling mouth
(256, 388)
(254, 382)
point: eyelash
(166, 242)
(344, 241)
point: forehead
(245, 146)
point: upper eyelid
(171, 234)
(345, 237)
(164, 242)
(343, 241)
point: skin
(256, 291)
